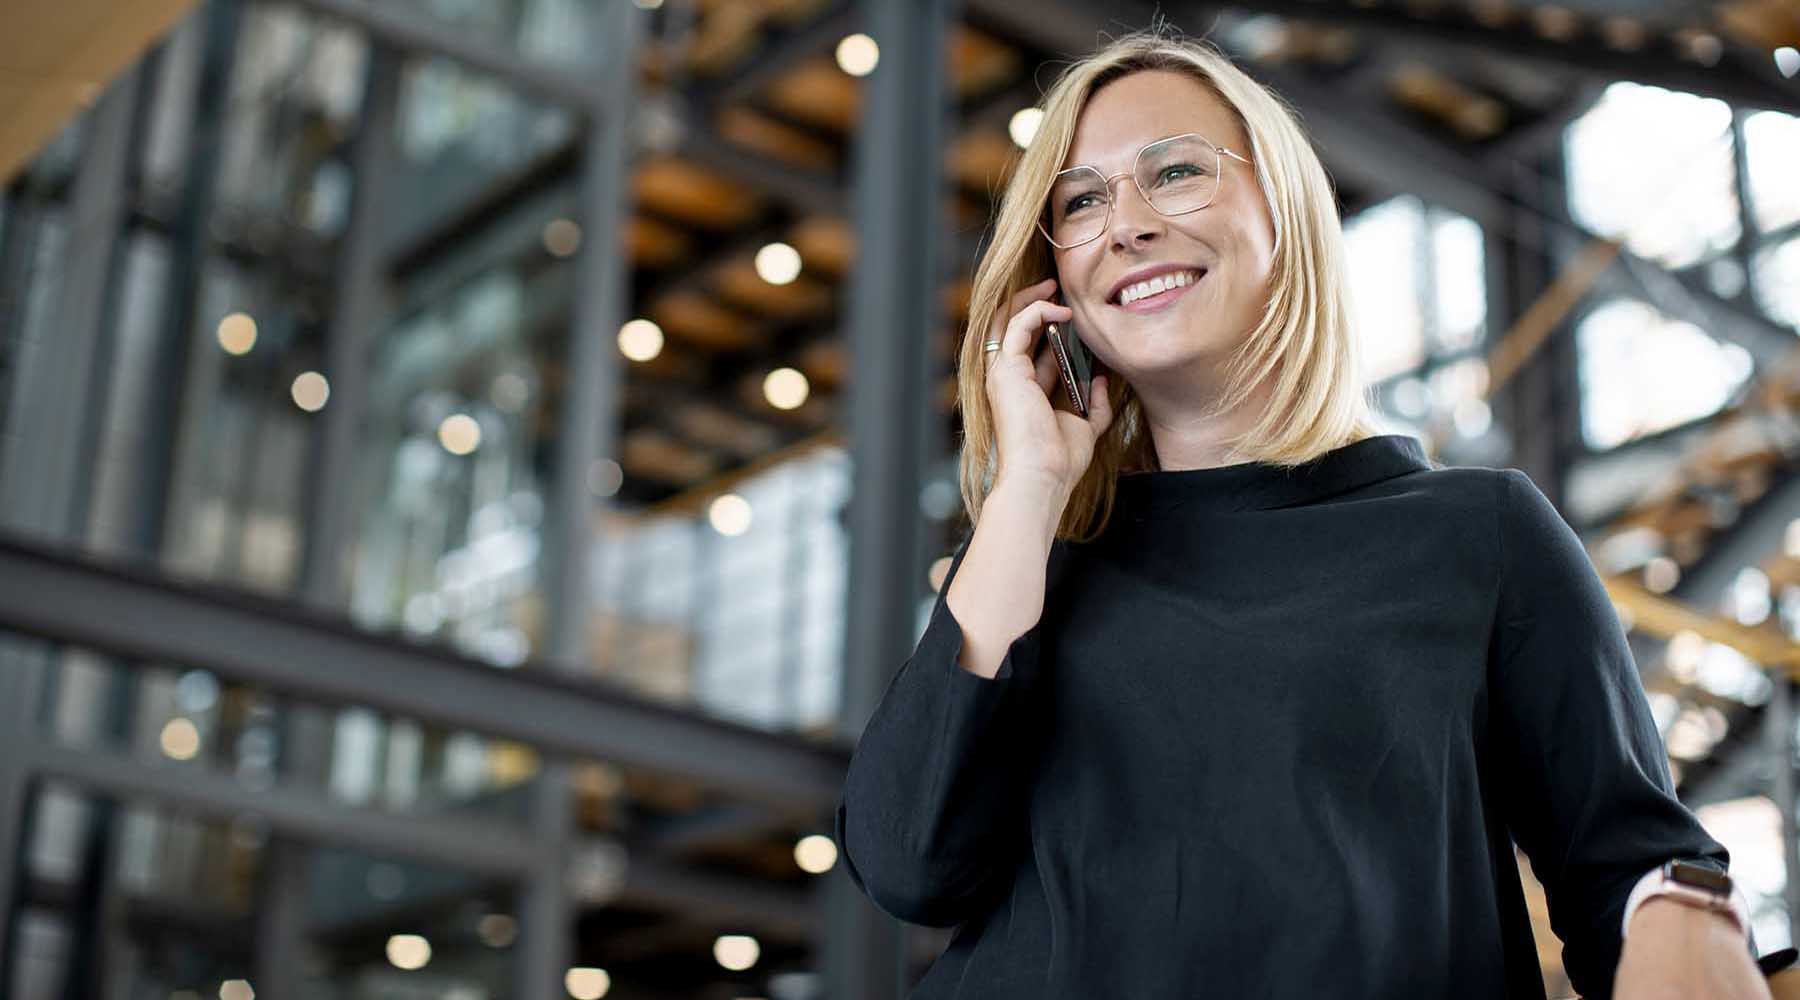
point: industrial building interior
(428, 431)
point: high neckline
(1260, 486)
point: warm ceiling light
(1661, 574)
(459, 434)
(562, 237)
(236, 989)
(237, 333)
(1787, 60)
(1023, 125)
(1624, 33)
(584, 983)
(310, 391)
(785, 388)
(605, 477)
(729, 514)
(1492, 13)
(1559, 24)
(1704, 47)
(408, 951)
(497, 930)
(180, 739)
(857, 54)
(640, 339)
(778, 263)
(815, 854)
(736, 952)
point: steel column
(895, 314)
(586, 431)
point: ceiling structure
(749, 127)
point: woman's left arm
(1581, 770)
(1677, 952)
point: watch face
(1701, 877)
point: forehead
(1142, 107)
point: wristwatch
(1691, 885)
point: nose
(1134, 223)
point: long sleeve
(1582, 770)
(932, 809)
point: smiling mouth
(1158, 288)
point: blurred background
(469, 467)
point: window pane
(1778, 281)
(1647, 146)
(1772, 154)
(1642, 372)
(1461, 276)
(1383, 244)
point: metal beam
(58, 394)
(780, 54)
(1455, 29)
(1685, 295)
(807, 189)
(428, 35)
(323, 657)
(1375, 152)
(470, 844)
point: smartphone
(1072, 360)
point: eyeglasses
(1175, 176)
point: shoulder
(1501, 512)
(1467, 493)
(1506, 494)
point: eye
(1175, 172)
(1075, 204)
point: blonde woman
(1229, 693)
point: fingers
(1100, 413)
(1023, 329)
(1004, 319)
(1048, 375)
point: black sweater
(1269, 739)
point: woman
(1235, 695)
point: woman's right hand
(1045, 445)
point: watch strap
(1657, 883)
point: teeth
(1160, 283)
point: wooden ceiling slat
(818, 93)
(680, 190)
(56, 58)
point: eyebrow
(1141, 147)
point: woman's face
(1230, 242)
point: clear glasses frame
(1106, 184)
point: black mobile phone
(1072, 361)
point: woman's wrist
(1026, 498)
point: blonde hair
(1304, 341)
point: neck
(1186, 436)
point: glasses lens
(1178, 175)
(1078, 205)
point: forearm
(1677, 952)
(997, 594)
